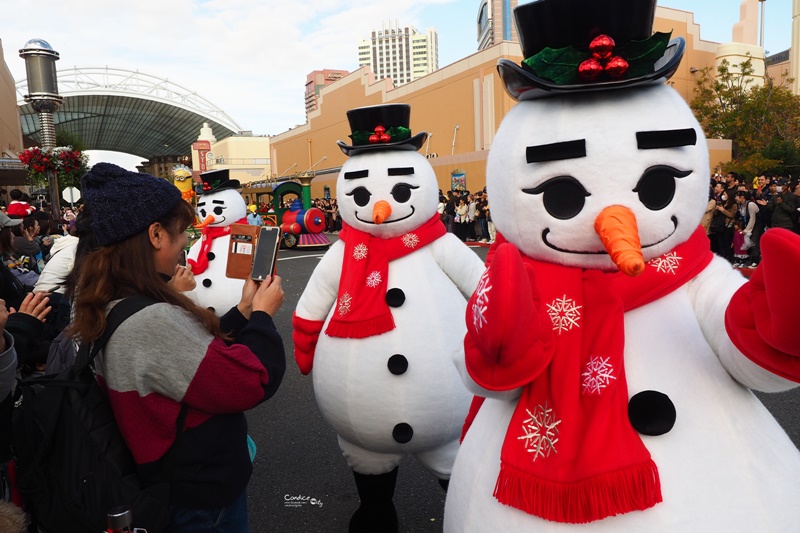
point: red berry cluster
(602, 60)
(380, 135)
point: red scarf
(361, 308)
(570, 453)
(209, 233)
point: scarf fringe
(634, 488)
(361, 329)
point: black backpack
(72, 463)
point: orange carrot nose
(617, 228)
(209, 219)
(381, 211)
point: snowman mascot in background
(219, 205)
(612, 352)
(382, 315)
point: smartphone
(182, 258)
(240, 251)
(266, 255)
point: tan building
(246, 156)
(496, 22)
(12, 172)
(463, 130)
(400, 52)
(318, 79)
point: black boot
(376, 514)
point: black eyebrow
(355, 174)
(556, 151)
(218, 202)
(651, 140)
(200, 204)
(401, 171)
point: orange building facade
(460, 106)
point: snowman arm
(314, 305)
(710, 294)
(458, 262)
(509, 339)
(760, 318)
(321, 291)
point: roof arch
(127, 111)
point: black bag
(72, 463)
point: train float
(301, 223)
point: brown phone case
(241, 250)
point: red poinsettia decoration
(68, 164)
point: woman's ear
(156, 233)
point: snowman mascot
(382, 315)
(219, 206)
(610, 352)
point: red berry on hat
(616, 67)
(590, 70)
(601, 47)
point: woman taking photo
(178, 378)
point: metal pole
(761, 39)
(453, 149)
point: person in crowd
(174, 357)
(253, 218)
(711, 207)
(462, 219)
(751, 226)
(722, 239)
(450, 211)
(740, 254)
(483, 224)
(472, 217)
(18, 206)
(783, 206)
(337, 220)
(26, 247)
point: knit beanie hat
(125, 203)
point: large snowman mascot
(382, 315)
(219, 206)
(615, 353)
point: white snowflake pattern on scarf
(597, 376)
(344, 303)
(410, 240)
(564, 313)
(481, 301)
(374, 279)
(360, 252)
(540, 432)
(667, 263)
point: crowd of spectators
(467, 215)
(740, 210)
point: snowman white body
(356, 391)
(726, 465)
(214, 289)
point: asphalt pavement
(301, 482)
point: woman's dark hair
(102, 274)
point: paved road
(301, 482)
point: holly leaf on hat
(398, 133)
(559, 65)
(642, 55)
(360, 137)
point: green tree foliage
(761, 120)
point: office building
(496, 22)
(400, 53)
(318, 79)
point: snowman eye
(402, 192)
(563, 196)
(218, 210)
(656, 187)
(360, 195)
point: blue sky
(251, 58)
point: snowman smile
(386, 221)
(603, 252)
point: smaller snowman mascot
(219, 206)
(382, 315)
(614, 351)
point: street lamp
(453, 149)
(427, 143)
(40, 67)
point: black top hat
(567, 50)
(381, 127)
(216, 180)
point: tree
(762, 121)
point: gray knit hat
(125, 203)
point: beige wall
(10, 129)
